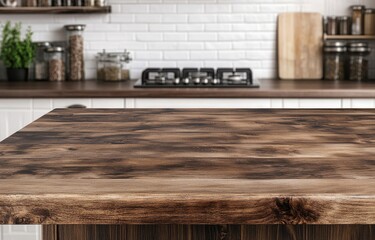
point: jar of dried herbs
(358, 61)
(75, 56)
(334, 60)
(113, 66)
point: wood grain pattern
(210, 232)
(162, 166)
(268, 89)
(300, 45)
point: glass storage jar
(75, 56)
(43, 3)
(370, 21)
(358, 61)
(41, 62)
(76, 3)
(56, 64)
(334, 60)
(344, 25)
(30, 3)
(357, 19)
(113, 66)
(100, 3)
(331, 25)
(88, 3)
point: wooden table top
(205, 166)
(269, 88)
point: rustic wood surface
(268, 89)
(209, 232)
(138, 166)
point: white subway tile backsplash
(203, 32)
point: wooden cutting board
(300, 46)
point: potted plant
(16, 53)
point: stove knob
(215, 81)
(205, 81)
(186, 81)
(197, 81)
(176, 81)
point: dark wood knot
(295, 211)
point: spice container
(76, 3)
(65, 3)
(88, 3)
(100, 3)
(75, 56)
(56, 64)
(113, 66)
(358, 61)
(331, 25)
(344, 25)
(357, 19)
(30, 3)
(56, 3)
(334, 60)
(43, 3)
(370, 21)
(41, 62)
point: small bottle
(43, 3)
(88, 3)
(30, 3)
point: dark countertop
(268, 89)
(159, 166)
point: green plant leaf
(16, 52)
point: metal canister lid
(334, 44)
(42, 44)
(335, 49)
(358, 7)
(75, 27)
(55, 49)
(331, 17)
(359, 50)
(370, 10)
(343, 18)
(358, 44)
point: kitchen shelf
(54, 10)
(349, 37)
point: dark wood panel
(54, 10)
(193, 166)
(268, 89)
(210, 232)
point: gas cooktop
(196, 78)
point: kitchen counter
(81, 166)
(268, 89)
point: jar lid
(42, 44)
(358, 7)
(358, 44)
(370, 10)
(344, 18)
(75, 27)
(335, 49)
(334, 44)
(359, 50)
(55, 49)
